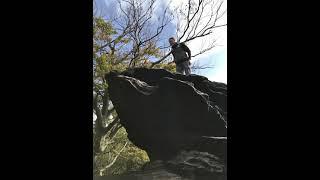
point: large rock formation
(187, 165)
(171, 115)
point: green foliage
(130, 159)
(102, 30)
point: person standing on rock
(182, 56)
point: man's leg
(187, 69)
(179, 68)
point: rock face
(171, 115)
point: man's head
(172, 41)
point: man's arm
(185, 48)
(157, 62)
(172, 60)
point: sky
(217, 57)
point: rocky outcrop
(173, 116)
(186, 165)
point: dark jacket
(181, 53)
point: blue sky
(219, 62)
(217, 57)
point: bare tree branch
(164, 47)
(159, 61)
(188, 21)
(196, 67)
(202, 35)
(195, 26)
(194, 15)
(112, 124)
(98, 113)
(160, 28)
(202, 67)
(99, 129)
(139, 26)
(206, 49)
(105, 103)
(207, 27)
(115, 130)
(191, 30)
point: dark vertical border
(47, 79)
